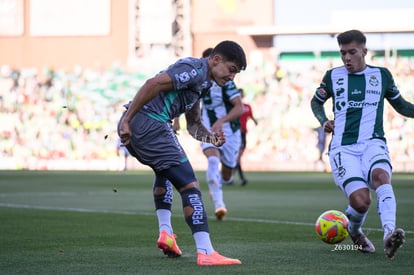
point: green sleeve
(402, 106)
(318, 110)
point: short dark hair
(207, 52)
(351, 36)
(231, 51)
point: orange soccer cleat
(167, 244)
(215, 259)
(220, 213)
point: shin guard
(165, 200)
(197, 221)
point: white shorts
(352, 164)
(229, 151)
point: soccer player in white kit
(221, 109)
(358, 151)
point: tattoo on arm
(195, 127)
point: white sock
(387, 207)
(203, 242)
(214, 181)
(164, 220)
(356, 220)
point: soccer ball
(331, 226)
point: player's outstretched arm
(402, 106)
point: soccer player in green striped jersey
(358, 151)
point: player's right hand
(219, 139)
(124, 133)
(328, 126)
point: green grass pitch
(104, 223)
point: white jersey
(217, 103)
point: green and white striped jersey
(217, 104)
(358, 102)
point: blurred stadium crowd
(60, 119)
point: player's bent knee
(380, 176)
(192, 185)
(360, 200)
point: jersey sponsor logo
(356, 92)
(337, 159)
(374, 92)
(373, 81)
(339, 105)
(322, 93)
(340, 81)
(184, 77)
(339, 92)
(341, 171)
(193, 72)
(198, 214)
(361, 104)
(168, 196)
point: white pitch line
(125, 212)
